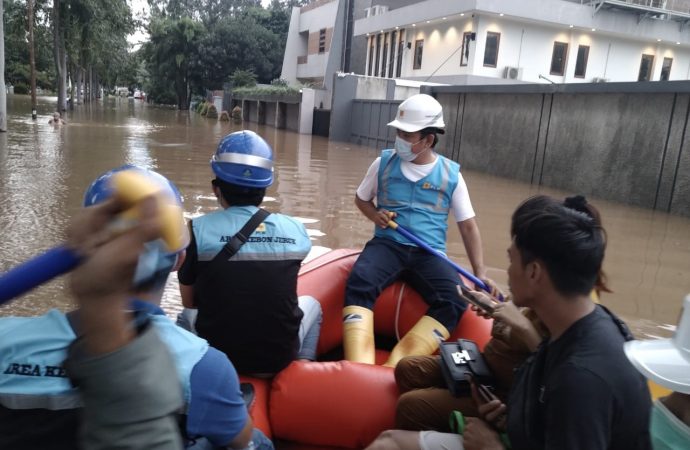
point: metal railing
(682, 6)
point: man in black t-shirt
(578, 391)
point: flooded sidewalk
(44, 171)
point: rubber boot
(423, 339)
(358, 334)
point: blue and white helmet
(245, 159)
(157, 257)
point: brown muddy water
(44, 171)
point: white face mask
(404, 149)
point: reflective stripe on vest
(34, 348)
(423, 206)
(278, 238)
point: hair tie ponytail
(576, 202)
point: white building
(315, 48)
(497, 41)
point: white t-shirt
(460, 204)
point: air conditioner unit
(378, 9)
(599, 80)
(512, 73)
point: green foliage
(204, 108)
(266, 90)
(279, 82)
(243, 78)
(17, 48)
(171, 56)
(21, 88)
(238, 34)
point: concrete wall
(295, 46)
(625, 142)
(306, 111)
(270, 113)
(277, 111)
(347, 88)
(337, 45)
(369, 118)
(292, 117)
(344, 93)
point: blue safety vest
(278, 238)
(33, 350)
(248, 304)
(422, 207)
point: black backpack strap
(241, 237)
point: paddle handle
(36, 271)
(414, 239)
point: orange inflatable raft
(339, 404)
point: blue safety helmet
(157, 260)
(245, 159)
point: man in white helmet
(667, 363)
(419, 188)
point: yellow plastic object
(423, 339)
(358, 334)
(657, 390)
(132, 187)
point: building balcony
(302, 59)
(671, 9)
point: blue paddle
(131, 187)
(414, 239)
(36, 271)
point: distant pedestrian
(57, 119)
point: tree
(60, 55)
(32, 57)
(216, 38)
(171, 53)
(237, 43)
(3, 93)
(17, 45)
(242, 78)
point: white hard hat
(418, 112)
(666, 361)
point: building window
(401, 47)
(384, 60)
(378, 55)
(646, 68)
(666, 69)
(371, 56)
(558, 57)
(465, 53)
(418, 49)
(391, 60)
(491, 49)
(322, 40)
(581, 63)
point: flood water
(44, 171)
